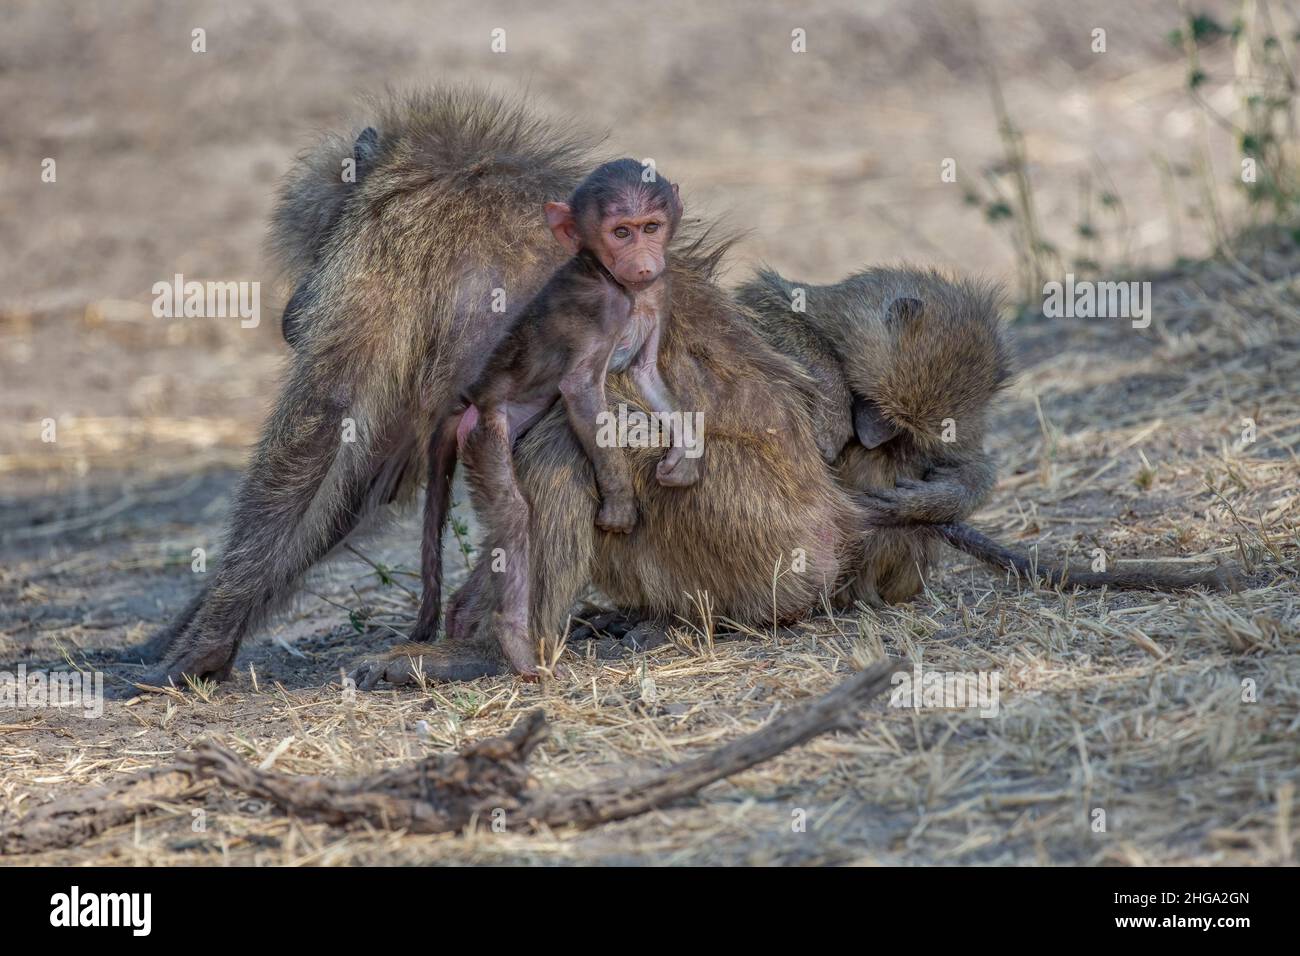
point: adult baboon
(906, 362)
(399, 271)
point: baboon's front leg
(951, 491)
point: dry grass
(1130, 703)
(1124, 440)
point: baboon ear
(872, 428)
(364, 151)
(677, 204)
(903, 311)
(559, 217)
(367, 144)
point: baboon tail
(1145, 575)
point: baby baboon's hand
(617, 515)
(675, 470)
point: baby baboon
(327, 211)
(602, 312)
(906, 363)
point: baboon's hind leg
(300, 498)
(437, 502)
(500, 504)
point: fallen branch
(74, 819)
(438, 794)
(619, 799)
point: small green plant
(1009, 201)
(1145, 478)
(461, 530)
(1264, 125)
(201, 687)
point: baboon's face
(628, 233)
(632, 244)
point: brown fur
(939, 358)
(398, 321)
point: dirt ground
(1124, 439)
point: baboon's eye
(622, 232)
(651, 227)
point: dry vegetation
(1131, 703)
(1116, 438)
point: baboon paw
(617, 515)
(440, 664)
(883, 509)
(512, 637)
(195, 664)
(638, 640)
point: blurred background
(1092, 136)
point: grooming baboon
(324, 216)
(602, 312)
(906, 363)
(900, 367)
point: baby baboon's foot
(677, 472)
(443, 661)
(617, 515)
(510, 633)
